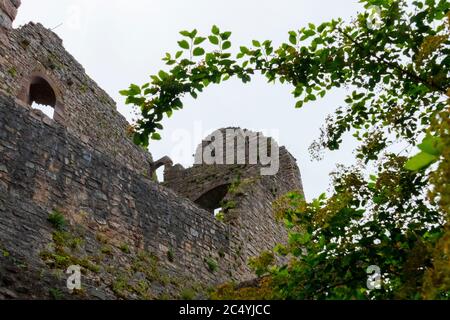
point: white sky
(122, 41)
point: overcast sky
(122, 41)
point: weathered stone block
(5, 20)
(8, 8)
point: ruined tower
(75, 190)
(237, 189)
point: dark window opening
(42, 96)
(213, 199)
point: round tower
(8, 12)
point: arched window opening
(213, 199)
(159, 173)
(42, 96)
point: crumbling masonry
(74, 190)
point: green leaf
(299, 104)
(163, 75)
(183, 44)
(226, 45)
(137, 138)
(198, 51)
(256, 43)
(199, 40)
(293, 39)
(215, 30)
(225, 35)
(432, 145)
(178, 54)
(156, 136)
(420, 161)
(213, 40)
(245, 50)
(193, 34)
(185, 33)
(134, 90)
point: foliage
(187, 294)
(56, 294)
(170, 255)
(398, 78)
(212, 264)
(57, 220)
(437, 281)
(261, 265)
(262, 290)
(125, 248)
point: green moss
(62, 257)
(228, 205)
(220, 216)
(123, 288)
(142, 289)
(101, 238)
(120, 286)
(53, 62)
(55, 294)
(84, 88)
(187, 294)
(88, 264)
(65, 239)
(125, 248)
(234, 187)
(212, 264)
(164, 296)
(13, 72)
(106, 249)
(55, 260)
(57, 220)
(239, 186)
(147, 264)
(170, 255)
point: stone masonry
(75, 190)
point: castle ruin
(134, 238)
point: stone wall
(116, 212)
(84, 109)
(120, 223)
(74, 190)
(8, 12)
(245, 196)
